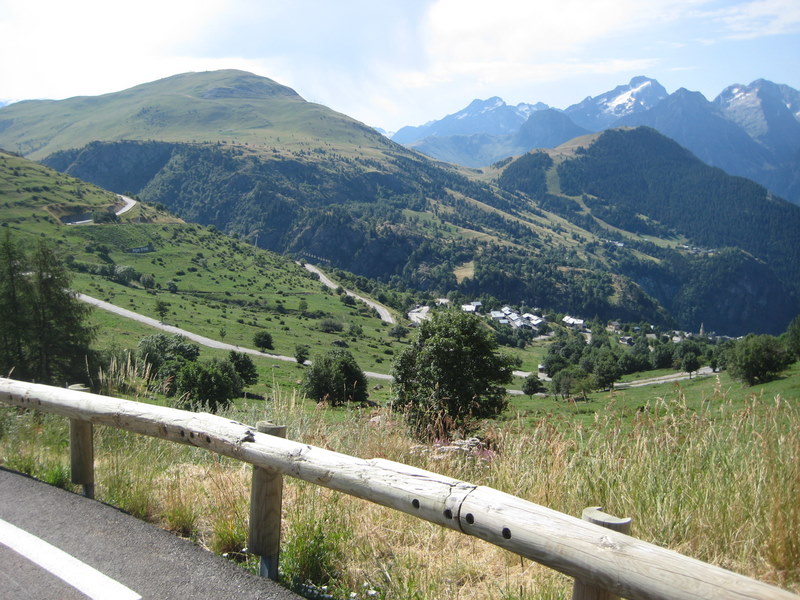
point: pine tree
(58, 336)
(14, 289)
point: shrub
(263, 340)
(336, 378)
(758, 358)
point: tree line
(45, 334)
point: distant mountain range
(622, 224)
(752, 131)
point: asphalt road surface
(58, 545)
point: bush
(336, 378)
(211, 385)
(758, 358)
(263, 340)
(244, 367)
(158, 348)
(330, 326)
(301, 353)
(532, 385)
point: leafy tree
(124, 274)
(690, 362)
(793, 337)
(301, 353)
(606, 370)
(211, 385)
(451, 374)
(398, 331)
(571, 380)
(532, 385)
(661, 357)
(244, 367)
(147, 281)
(159, 348)
(758, 358)
(162, 308)
(263, 340)
(336, 378)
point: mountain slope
(491, 116)
(210, 281)
(546, 128)
(697, 124)
(767, 112)
(220, 105)
(630, 176)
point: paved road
(383, 311)
(129, 204)
(74, 548)
(679, 376)
(202, 340)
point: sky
(390, 63)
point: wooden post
(266, 494)
(81, 450)
(595, 514)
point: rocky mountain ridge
(748, 130)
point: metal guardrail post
(266, 495)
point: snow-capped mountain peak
(491, 116)
(641, 94)
(768, 112)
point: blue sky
(391, 63)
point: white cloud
(92, 46)
(491, 41)
(759, 18)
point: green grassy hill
(226, 105)
(225, 289)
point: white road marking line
(81, 576)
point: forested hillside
(644, 173)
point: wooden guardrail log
(625, 566)
(595, 514)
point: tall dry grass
(720, 484)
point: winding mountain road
(200, 339)
(129, 204)
(383, 311)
